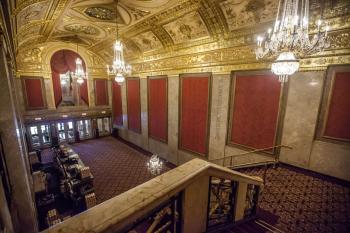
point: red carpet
(115, 166)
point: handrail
(249, 152)
(118, 212)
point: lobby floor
(116, 167)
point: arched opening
(67, 91)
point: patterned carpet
(304, 201)
(293, 200)
(116, 167)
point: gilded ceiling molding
(213, 17)
(56, 9)
(36, 60)
(32, 24)
(23, 4)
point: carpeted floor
(304, 201)
(116, 167)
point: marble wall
(299, 124)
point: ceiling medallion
(289, 39)
(78, 28)
(100, 13)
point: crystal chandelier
(155, 165)
(119, 67)
(79, 73)
(289, 39)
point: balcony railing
(194, 197)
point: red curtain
(63, 61)
(255, 111)
(117, 104)
(338, 121)
(101, 92)
(194, 114)
(34, 93)
(134, 105)
(158, 108)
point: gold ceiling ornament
(102, 13)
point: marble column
(22, 207)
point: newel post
(195, 204)
(240, 201)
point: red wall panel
(101, 92)
(134, 105)
(194, 114)
(84, 92)
(34, 93)
(117, 104)
(158, 108)
(338, 120)
(255, 111)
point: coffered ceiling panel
(147, 41)
(187, 27)
(31, 13)
(243, 13)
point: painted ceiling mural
(243, 13)
(152, 28)
(147, 41)
(188, 27)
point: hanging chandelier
(79, 73)
(289, 39)
(119, 68)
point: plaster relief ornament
(137, 13)
(84, 29)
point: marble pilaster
(301, 117)
(23, 209)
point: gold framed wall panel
(189, 75)
(167, 106)
(25, 94)
(280, 115)
(327, 93)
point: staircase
(253, 226)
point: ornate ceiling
(158, 29)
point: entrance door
(103, 125)
(66, 131)
(45, 134)
(34, 136)
(84, 128)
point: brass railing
(276, 155)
